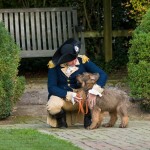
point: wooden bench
(40, 31)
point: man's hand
(78, 98)
(91, 99)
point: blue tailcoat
(59, 83)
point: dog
(113, 101)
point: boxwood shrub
(139, 63)
(11, 85)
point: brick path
(135, 137)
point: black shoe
(61, 123)
(61, 119)
(87, 119)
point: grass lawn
(28, 139)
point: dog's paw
(88, 128)
(91, 127)
(107, 125)
(122, 125)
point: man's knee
(54, 105)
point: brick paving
(135, 137)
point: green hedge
(139, 62)
(11, 86)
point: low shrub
(11, 86)
(139, 63)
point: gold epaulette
(50, 64)
(84, 58)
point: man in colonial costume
(62, 103)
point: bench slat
(69, 24)
(22, 30)
(6, 20)
(64, 24)
(33, 41)
(37, 53)
(1, 17)
(75, 23)
(27, 25)
(59, 26)
(54, 31)
(11, 25)
(44, 43)
(17, 32)
(38, 30)
(49, 36)
(52, 9)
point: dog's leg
(122, 111)
(95, 118)
(113, 119)
(100, 119)
(124, 122)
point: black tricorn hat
(68, 51)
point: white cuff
(92, 91)
(70, 97)
(98, 88)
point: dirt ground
(32, 105)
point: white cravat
(69, 70)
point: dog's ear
(83, 84)
(94, 76)
(80, 80)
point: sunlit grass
(28, 139)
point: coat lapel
(70, 71)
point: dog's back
(111, 98)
